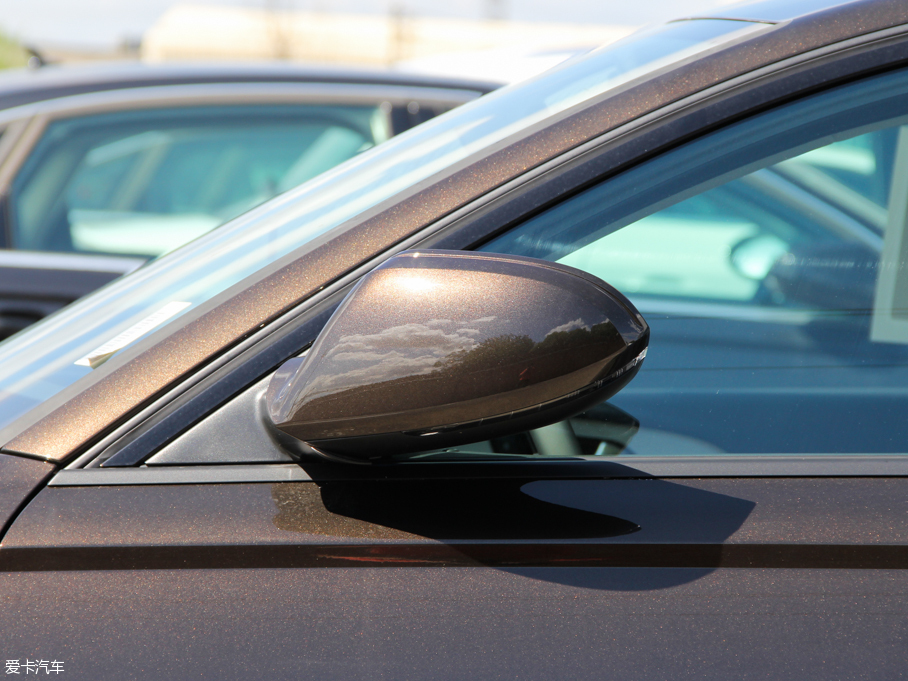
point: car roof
(772, 10)
(125, 384)
(27, 86)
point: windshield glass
(67, 347)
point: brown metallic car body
(691, 567)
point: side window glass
(726, 245)
(144, 182)
(769, 259)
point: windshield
(67, 348)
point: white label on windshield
(102, 354)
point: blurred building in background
(194, 32)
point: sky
(104, 24)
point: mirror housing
(828, 276)
(436, 349)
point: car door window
(765, 259)
(144, 182)
(768, 259)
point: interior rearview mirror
(437, 349)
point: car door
(192, 543)
(92, 186)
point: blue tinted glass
(145, 182)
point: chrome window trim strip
(179, 475)
(741, 466)
(68, 261)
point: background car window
(143, 183)
(768, 260)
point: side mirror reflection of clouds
(398, 351)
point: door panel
(460, 623)
(147, 581)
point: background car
(738, 510)
(103, 167)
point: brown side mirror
(436, 349)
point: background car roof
(26, 86)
